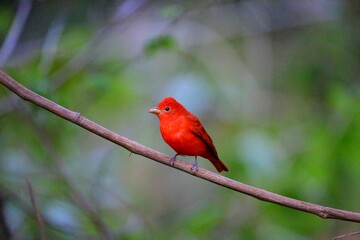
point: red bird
(184, 133)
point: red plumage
(184, 133)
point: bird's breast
(178, 135)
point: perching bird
(184, 133)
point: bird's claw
(172, 160)
(194, 168)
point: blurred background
(275, 83)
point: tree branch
(75, 194)
(346, 235)
(37, 213)
(134, 147)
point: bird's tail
(218, 164)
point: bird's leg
(195, 167)
(173, 159)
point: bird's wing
(199, 131)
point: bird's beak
(154, 110)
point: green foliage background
(275, 83)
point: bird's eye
(167, 109)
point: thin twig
(74, 193)
(13, 196)
(38, 216)
(346, 235)
(132, 146)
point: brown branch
(74, 193)
(346, 235)
(134, 147)
(38, 215)
(13, 195)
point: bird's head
(168, 107)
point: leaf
(164, 42)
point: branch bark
(134, 147)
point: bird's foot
(172, 160)
(195, 167)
